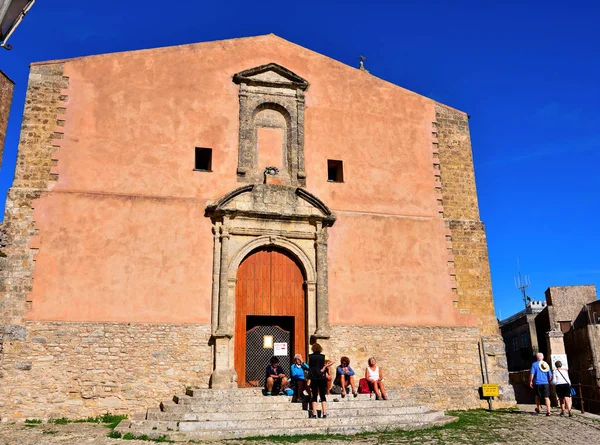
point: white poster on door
(280, 349)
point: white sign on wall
(559, 357)
(280, 349)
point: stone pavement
(475, 427)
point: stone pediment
(273, 202)
(271, 75)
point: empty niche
(271, 137)
(335, 171)
(203, 159)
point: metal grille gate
(257, 357)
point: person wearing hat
(539, 380)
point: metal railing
(594, 403)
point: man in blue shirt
(539, 380)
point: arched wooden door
(269, 284)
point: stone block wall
(40, 129)
(44, 106)
(75, 370)
(568, 301)
(467, 242)
(438, 366)
(7, 87)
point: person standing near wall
(563, 388)
(318, 364)
(539, 379)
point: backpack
(363, 386)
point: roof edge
(69, 59)
(450, 108)
(48, 62)
(6, 75)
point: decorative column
(215, 278)
(224, 375)
(225, 325)
(299, 161)
(246, 153)
(322, 331)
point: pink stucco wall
(123, 235)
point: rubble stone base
(75, 370)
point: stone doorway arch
(247, 219)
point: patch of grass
(114, 435)
(60, 421)
(112, 420)
(49, 432)
(33, 421)
(131, 436)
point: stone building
(565, 327)
(519, 333)
(179, 213)
(7, 87)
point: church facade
(178, 215)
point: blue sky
(526, 72)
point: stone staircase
(210, 414)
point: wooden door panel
(269, 282)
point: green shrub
(33, 421)
(60, 421)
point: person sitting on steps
(275, 376)
(329, 379)
(345, 376)
(297, 374)
(374, 375)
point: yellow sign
(490, 390)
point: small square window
(335, 171)
(203, 159)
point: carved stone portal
(259, 215)
(271, 98)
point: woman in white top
(374, 376)
(563, 388)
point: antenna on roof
(522, 283)
(361, 64)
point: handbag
(572, 390)
(363, 386)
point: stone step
(317, 429)
(204, 415)
(241, 393)
(276, 406)
(348, 410)
(314, 426)
(333, 420)
(185, 400)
